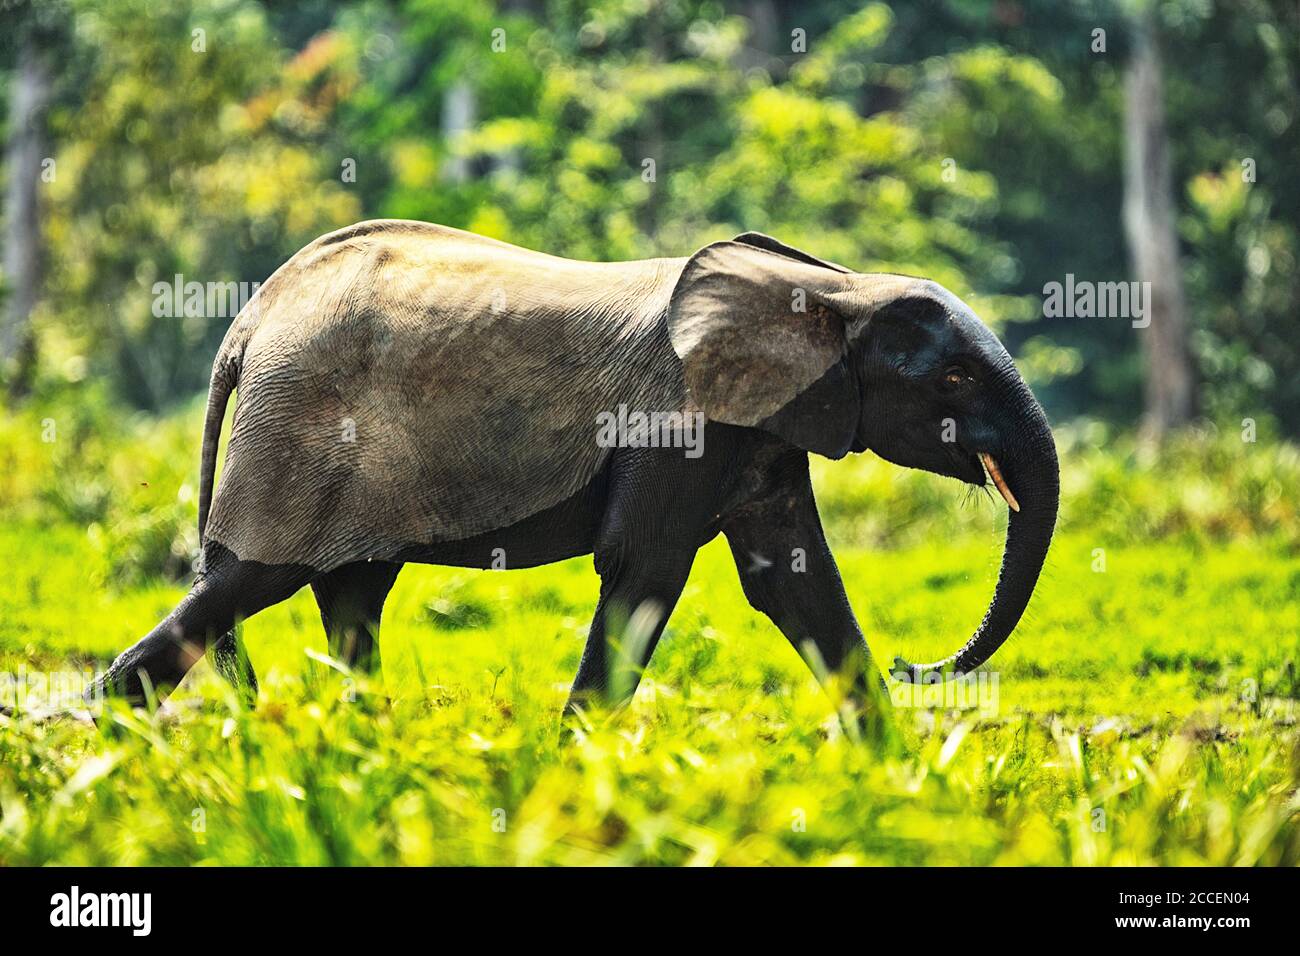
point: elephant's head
(837, 361)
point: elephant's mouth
(980, 468)
(965, 466)
(990, 464)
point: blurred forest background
(1148, 708)
(994, 145)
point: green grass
(1146, 714)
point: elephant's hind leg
(227, 591)
(351, 600)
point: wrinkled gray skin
(410, 392)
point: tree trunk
(763, 27)
(459, 114)
(24, 152)
(1149, 221)
(653, 146)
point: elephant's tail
(224, 377)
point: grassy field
(1144, 713)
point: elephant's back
(405, 384)
(405, 294)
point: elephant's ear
(764, 241)
(762, 345)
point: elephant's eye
(955, 375)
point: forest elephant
(409, 392)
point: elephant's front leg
(789, 573)
(643, 552)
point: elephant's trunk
(1030, 469)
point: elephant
(410, 392)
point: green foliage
(730, 754)
(309, 780)
(178, 161)
(977, 143)
(1233, 98)
(127, 480)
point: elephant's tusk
(996, 474)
